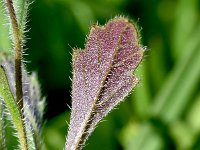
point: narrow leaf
(32, 101)
(102, 76)
(15, 113)
(33, 107)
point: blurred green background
(163, 112)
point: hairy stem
(17, 40)
(18, 52)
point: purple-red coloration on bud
(102, 76)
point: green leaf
(175, 94)
(186, 10)
(12, 107)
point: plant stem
(18, 53)
(17, 39)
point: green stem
(17, 39)
(18, 52)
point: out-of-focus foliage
(163, 111)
